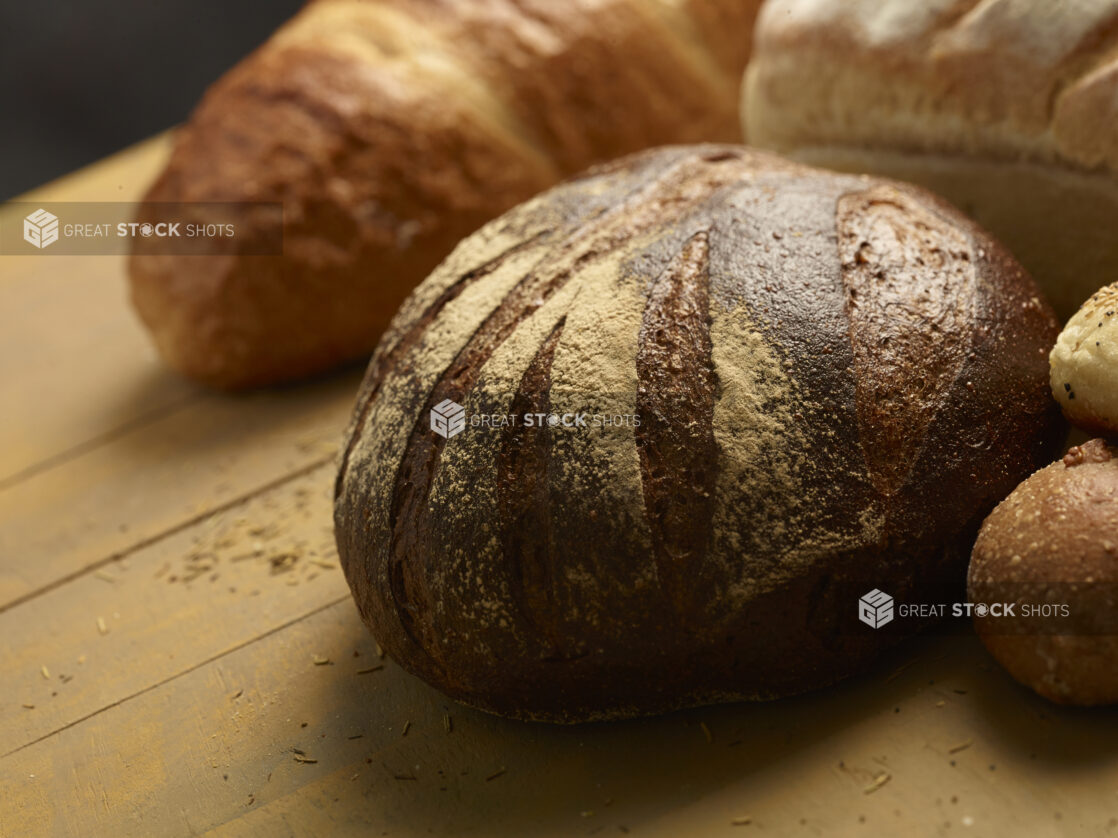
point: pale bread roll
(1084, 364)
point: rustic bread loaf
(1054, 542)
(1009, 108)
(835, 377)
(390, 129)
(1084, 364)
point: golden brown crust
(389, 130)
(1055, 540)
(718, 549)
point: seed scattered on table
(448, 723)
(500, 772)
(745, 821)
(101, 627)
(45, 672)
(105, 576)
(370, 669)
(900, 670)
(878, 782)
(961, 746)
(407, 727)
(321, 661)
(706, 732)
(282, 562)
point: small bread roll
(1053, 544)
(1084, 364)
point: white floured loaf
(1009, 108)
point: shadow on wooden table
(1033, 728)
(430, 766)
(208, 422)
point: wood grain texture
(101, 366)
(854, 764)
(184, 716)
(230, 578)
(160, 477)
(91, 396)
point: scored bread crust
(389, 130)
(905, 88)
(836, 376)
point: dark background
(80, 79)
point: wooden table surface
(180, 654)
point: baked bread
(1052, 545)
(1084, 364)
(835, 379)
(389, 130)
(1009, 108)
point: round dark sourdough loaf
(836, 378)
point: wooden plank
(191, 696)
(184, 600)
(190, 754)
(161, 476)
(75, 363)
(893, 757)
(120, 176)
(101, 448)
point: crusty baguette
(390, 129)
(1007, 107)
(835, 377)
